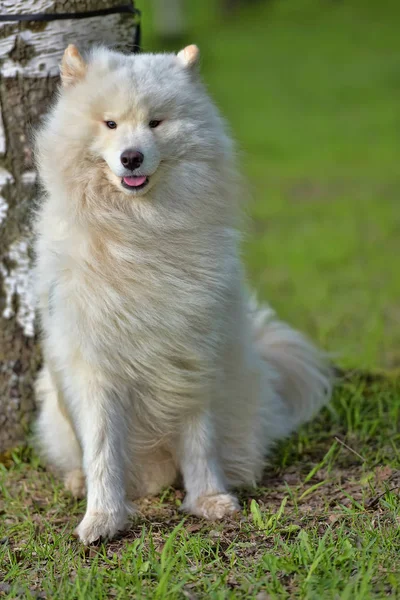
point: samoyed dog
(157, 363)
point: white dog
(156, 361)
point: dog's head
(132, 120)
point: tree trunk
(30, 53)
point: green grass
(323, 524)
(311, 89)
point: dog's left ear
(189, 56)
(73, 67)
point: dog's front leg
(206, 494)
(101, 426)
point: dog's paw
(102, 525)
(213, 507)
(75, 483)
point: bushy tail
(304, 375)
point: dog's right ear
(73, 67)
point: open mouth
(135, 183)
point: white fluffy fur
(156, 361)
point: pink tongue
(135, 181)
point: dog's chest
(149, 305)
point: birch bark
(30, 53)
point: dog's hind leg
(152, 472)
(54, 435)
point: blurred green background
(311, 89)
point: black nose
(132, 159)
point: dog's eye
(111, 124)
(154, 124)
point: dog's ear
(73, 67)
(189, 56)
